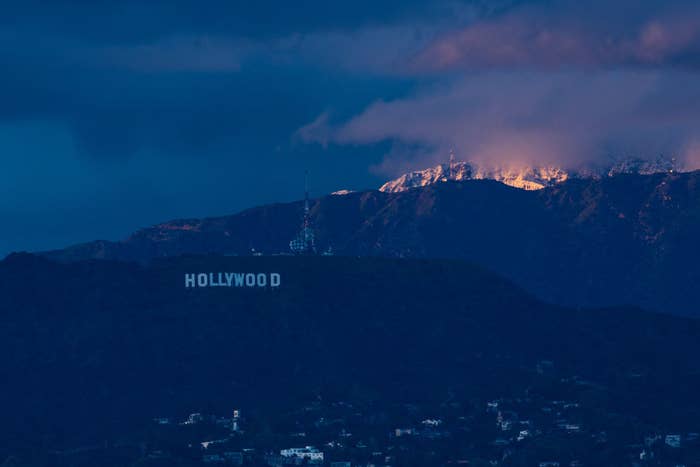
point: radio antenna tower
(304, 243)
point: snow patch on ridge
(523, 177)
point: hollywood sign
(232, 279)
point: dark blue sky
(118, 115)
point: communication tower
(305, 242)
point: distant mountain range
(93, 350)
(526, 177)
(622, 239)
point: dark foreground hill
(628, 239)
(88, 349)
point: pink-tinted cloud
(317, 131)
(566, 82)
(527, 39)
(567, 118)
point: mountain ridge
(524, 176)
(584, 242)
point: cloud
(135, 21)
(531, 117)
(539, 82)
(317, 131)
(533, 39)
(174, 54)
(182, 77)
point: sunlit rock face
(523, 176)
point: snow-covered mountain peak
(523, 176)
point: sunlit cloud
(568, 118)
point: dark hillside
(92, 347)
(628, 239)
